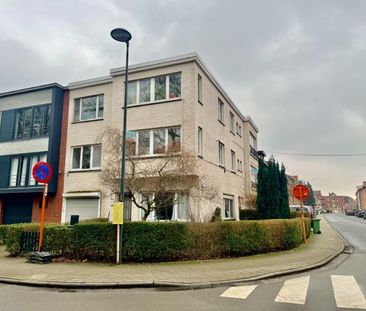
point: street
(340, 284)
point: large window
(154, 89)
(155, 141)
(220, 111)
(221, 154)
(253, 175)
(228, 208)
(200, 141)
(21, 169)
(88, 108)
(32, 122)
(253, 141)
(86, 157)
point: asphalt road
(341, 284)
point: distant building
(361, 196)
(333, 202)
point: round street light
(122, 35)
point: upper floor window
(199, 84)
(220, 111)
(21, 169)
(200, 141)
(154, 89)
(233, 167)
(238, 129)
(253, 175)
(221, 154)
(88, 108)
(232, 123)
(253, 141)
(86, 157)
(240, 165)
(32, 122)
(155, 141)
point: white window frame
(221, 154)
(80, 99)
(221, 110)
(200, 141)
(151, 141)
(199, 85)
(152, 90)
(91, 168)
(231, 200)
(233, 161)
(232, 122)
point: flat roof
(32, 89)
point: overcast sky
(298, 68)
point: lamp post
(122, 35)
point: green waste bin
(315, 223)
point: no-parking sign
(42, 172)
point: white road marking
(347, 293)
(241, 292)
(294, 291)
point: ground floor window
(228, 208)
(173, 206)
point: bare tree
(152, 181)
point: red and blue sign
(42, 172)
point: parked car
(361, 214)
(350, 212)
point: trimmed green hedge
(163, 241)
(249, 214)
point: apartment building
(334, 202)
(32, 129)
(171, 102)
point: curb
(182, 286)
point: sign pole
(302, 218)
(42, 216)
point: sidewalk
(319, 250)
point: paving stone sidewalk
(319, 250)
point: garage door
(17, 211)
(86, 208)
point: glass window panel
(76, 153)
(232, 160)
(13, 172)
(159, 141)
(27, 123)
(160, 88)
(164, 203)
(24, 162)
(43, 157)
(1, 113)
(144, 142)
(100, 106)
(33, 161)
(85, 162)
(174, 139)
(174, 85)
(199, 88)
(46, 120)
(37, 122)
(199, 141)
(131, 143)
(144, 90)
(97, 155)
(131, 93)
(88, 109)
(228, 208)
(19, 123)
(183, 207)
(77, 109)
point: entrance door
(17, 211)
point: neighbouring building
(32, 128)
(171, 102)
(361, 196)
(333, 202)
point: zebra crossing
(347, 293)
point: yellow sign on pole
(117, 213)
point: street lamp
(122, 35)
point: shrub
(94, 220)
(297, 214)
(163, 241)
(3, 232)
(249, 214)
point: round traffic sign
(42, 172)
(300, 192)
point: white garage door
(86, 208)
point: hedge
(163, 241)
